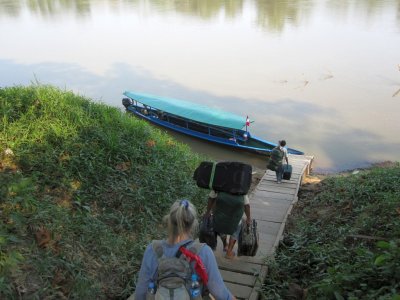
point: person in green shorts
(228, 212)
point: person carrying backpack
(275, 162)
(228, 212)
(178, 267)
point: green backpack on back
(276, 159)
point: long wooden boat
(198, 121)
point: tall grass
(343, 242)
(83, 189)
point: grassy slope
(342, 240)
(83, 188)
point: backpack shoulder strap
(157, 248)
(192, 246)
(195, 247)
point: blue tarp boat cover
(190, 110)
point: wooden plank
(269, 204)
(264, 192)
(267, 196)
(270, 216)
(265, 249)
(271, 195)
(238, 278)
(254, 295)
(268, 227)
(267, 238)
(294, 164)
(280, 233)
(296, 169)
(236, 265)
(261, 277)
(239, 291)
(279, 188)
(257, 287)
(272, 183)
(259, 260)
(272, 177)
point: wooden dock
(270, 203)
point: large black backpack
(229, 176)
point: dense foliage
(83, 189)
(343, 240)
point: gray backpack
(174, 273)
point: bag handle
(212, 175)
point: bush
(343, 242)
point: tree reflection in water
(270, 15)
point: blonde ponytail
(182, 219)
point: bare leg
(230, 253)
(223, 239)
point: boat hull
(264, 150)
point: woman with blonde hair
(161, 257)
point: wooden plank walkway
(270, 204)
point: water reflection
(274, 15)
(270, 15)
(205, 9)
(45, 8)
(338, 146)
(52, 8)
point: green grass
(83, 189)
(343, 241)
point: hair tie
(184, 203)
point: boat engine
(127, 102)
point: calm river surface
(324, 75)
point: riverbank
(342, 239)
(83, 191)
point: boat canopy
(190, 110)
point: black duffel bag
(207, 234)
(230, 177)
(248, 239)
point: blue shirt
(215, 285)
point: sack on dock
(248, 239)
(229, 177)
(287, 172)
(207, 234)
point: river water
(324, 75)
